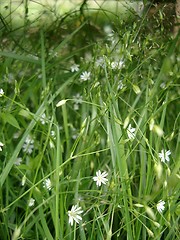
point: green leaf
(25, 113)
(9, 118)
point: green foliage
(114, 111)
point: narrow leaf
(9, 118)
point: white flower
(85, 76)
(108, 29)
(120, 85)
(130, 132)
(114, 65)
(28, 145)
(74, 214)
(31, 202)
(1, 145)
(77, 101)
(1, 92)
(164, 155)
(160, 206)
(53, 134)
(16, 135)
(100, 178)
(117, 64)
(52, 139)
(76, 107)
(74, 133)
(112, 38)
(18, 161)
(77, 98)
(88, 57)
(53, 53)
(100, 62)
(43, 119)
(47, 184)
(163, 85)
(9, 78)
(75, 68)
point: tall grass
(60, 127)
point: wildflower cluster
(47, 150)
(74, 213)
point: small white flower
(52, 139)
(18, 161)
(163, 85)
(74, 136)
(85, 76)
(130, 132)
(75, 68)
(47, 184)
(117, 64)
(16, 135)
(76, 107)
(1, 146)
(53, 134)
(1, 92)
(114, 65)
(108, 29)
(9, 78)
(100, 178)
(164, 155)
(100, 62)
(43, 119)
(74, 214)
(120, 85)
(53, 53)
(112, 38)
(77, 101)
(28, 145)
(74, 133)
(160, 206)
(77, 98)
(31, 202)
(88, 57)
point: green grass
(81, 134)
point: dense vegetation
(89, 140)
